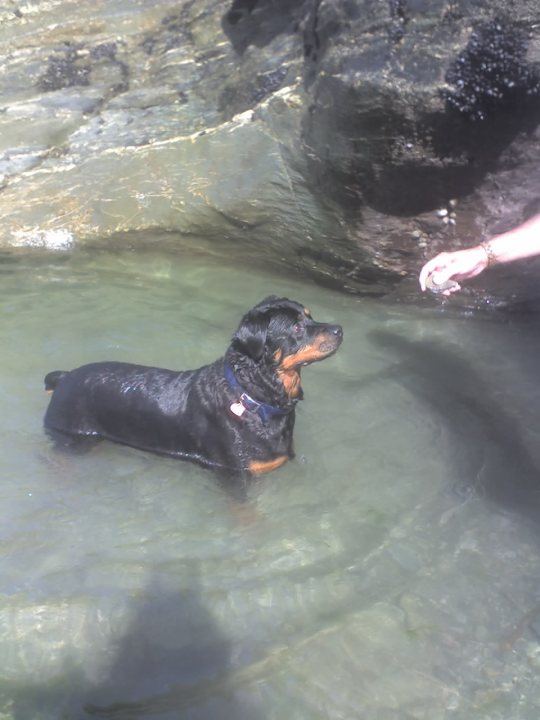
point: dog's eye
(297, 329)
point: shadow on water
(489, 455)
(172, 662)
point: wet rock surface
(348, 140)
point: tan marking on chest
(259, 467)
(291, 381)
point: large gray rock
(324, 136)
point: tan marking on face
(307, 312)
(291, 381)
(259, 467)
(278, 356)
(49, 392)
(307, 354)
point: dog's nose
(337, 330)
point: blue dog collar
(246, 402)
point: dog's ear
(250, 338)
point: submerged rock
(348, 140)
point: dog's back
(133, 404)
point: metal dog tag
(238, 409)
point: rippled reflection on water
(390, 571)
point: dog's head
(281, 335)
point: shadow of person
(172, 662)
(489, 454)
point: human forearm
(522, 242)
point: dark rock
(492, 74)
(259, 22)
(413, 105)
(65, 69)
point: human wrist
(491, 255)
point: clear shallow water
(390, 571)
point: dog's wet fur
(235, 416)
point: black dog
(236, 415)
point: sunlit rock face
(347, 140)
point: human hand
(459, 265)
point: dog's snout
(337, 330)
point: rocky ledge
(347, 140)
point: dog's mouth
(328, 347)
(324, 351)
(322, 348)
